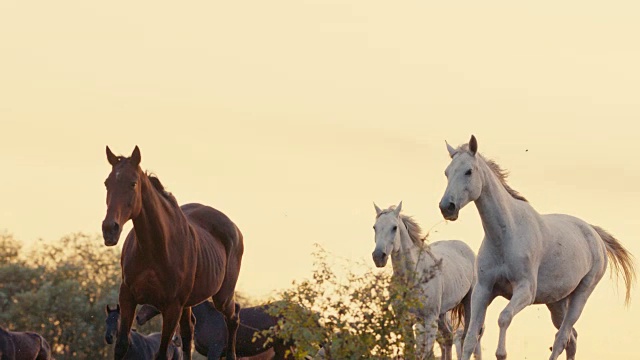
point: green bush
(59, 290)
(353, 316)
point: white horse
(458, 337)
(450, 288)
(526, 257)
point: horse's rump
(45, 349)
(219, 248)
(215, 223)
(29, 346)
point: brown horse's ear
(473, 145)
(135, 156)
(107, 309)
(113, 159)
(118, 307)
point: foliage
(356, 316)
(59, 290)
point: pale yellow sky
(293, 116)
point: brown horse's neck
(157, 217)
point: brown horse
(15, 345)
(175, 256)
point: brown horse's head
(124, 197)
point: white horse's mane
(415, 231)
(500, 173)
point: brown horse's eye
(133, 184)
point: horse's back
(45, 349)
(453, 248)
(214, 222)
(143, 346)
(458, 274)
(27, 345)
(211, 335)
(153, 343)
(7, 347)
(574, 235)
(458, 257)
(253, 319)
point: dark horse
(15, 345)
(142, 347)
(175, 256)
(210, 338)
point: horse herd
(176, 258)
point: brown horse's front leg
(127, 311)
(186, 332)
(170, 318)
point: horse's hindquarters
(572, 251)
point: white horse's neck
(495, 205)
(405, 260)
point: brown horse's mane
(153, 179)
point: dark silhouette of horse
(142, 347)
(210, 337)
(16, 345)
(175, 256)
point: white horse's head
(387, 234)
(464, 179)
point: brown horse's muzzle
(111, 232)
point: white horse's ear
(473, 145)
(378, 210)
(450, 148)
(398, 209)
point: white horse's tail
(457, 316)
(621, 260)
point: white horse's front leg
(457, 342)
(480, 300)
(445, 338)
(426, 336)
(523, 295)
